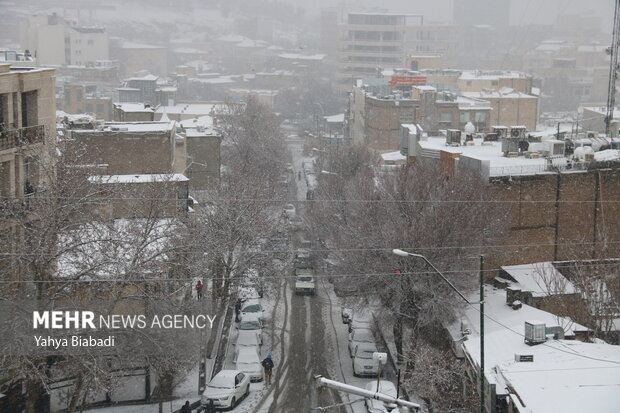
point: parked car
(296, 223)
(363, 364)
(226, 389)
(249, 338)
(250, 322)
(358, 322)
(247, 360)
(377, 406)
(346, 314)
(289, 210)
(302, 259)
(252, 306)
(304, 281)
(360, 336)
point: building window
(480, 117)
(99, 107)
(91, 42)
(494, 83)
(464, 116)
(89, 107)
(445, 117)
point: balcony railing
(14, 138)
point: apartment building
(372, 41)
(54, 40)
(27, 127)
(378, 107)
(84, 99)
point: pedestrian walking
(299, 175)
(267, 364)
(199, 289)
(237, 309)
(186, 408)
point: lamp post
(402, 253)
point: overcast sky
(522, 11)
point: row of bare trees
(63, 244)
(363, 211)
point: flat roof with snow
(136, 179)
(541, 279)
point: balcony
(15, 138)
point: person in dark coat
(186, 408)
(199, 289)
(267, 364)
(210, 408)
(237, 309)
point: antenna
(613, 71)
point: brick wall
(557, 217)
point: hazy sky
(522, 11)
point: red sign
(407, 80)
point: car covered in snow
(363, 364)
(304, 281)
(252, 306)
(358, 322)
(249, 338)
(360, 336)
(250, 322)
(377, 406)
(346, 314)
(226, 389)
(247, 360)
(289, 210)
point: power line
(234, 279)
(311, 201)
(327, 250)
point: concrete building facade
(27, 127)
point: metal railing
(14, 138)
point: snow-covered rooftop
(136, 179)
(339, 118)
(299, 56)
(541, 279)
(491, 74)
(135, 127)
(195, 109)
(503, 93)
(134, 107)
(565, 375)
(490, 154)
(393, 156)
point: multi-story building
(377, 110)
(84, 99)
(372, 41)
(57, 41)
(509, 107)
(27, 127)
(552, 196)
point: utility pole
(482, 394)
(613, 71)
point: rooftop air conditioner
(535, 332)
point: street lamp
(402, 253)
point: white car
(385, 387)
(346, 314)
(252, 306)
(304, 281)
(357, 323)
(363, 364)
(289, 210)
(226, 389)
(250, 322)
(248, 361)
(249, 338)
(360, 336)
